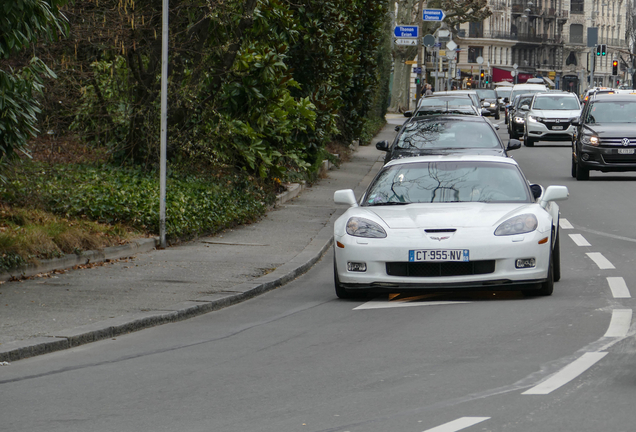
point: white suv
(550, 117)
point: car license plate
(557, 127)
(438, 255)
(625, 151)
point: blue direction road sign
(406, 31)
(434, 15)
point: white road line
(618, 287)
(579, 240)
(565, 224)
(384, 304)
(600, 260)
(567, 374)
(457, 425)
(620, 323)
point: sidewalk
(43, 315)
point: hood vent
(442, 230)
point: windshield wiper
(390, 203)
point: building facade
(543, 38)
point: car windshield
(503, 92)
(524, 101)
(486, 94)
(555, 103)
(450, 134)
(445, 182)
(611, 112)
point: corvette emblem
(625, 142)
(439, 238)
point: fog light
(356, 266)
(585, 156)
(525, 263)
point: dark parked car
(605, 136)
(446, 134)
(517, 114)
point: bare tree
(456, 11)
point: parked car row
(448, 211)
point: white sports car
(448, 223)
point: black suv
(605, 136)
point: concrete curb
(70, 260)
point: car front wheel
(582, 173)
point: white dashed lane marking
(600, 260)
(459, 424)
(566, 374)
(565, 224)
(579, 240)
(621, 321)
(618, 287)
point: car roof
(452, 158)
(629, 97)
(555, 94)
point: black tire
(574, 168)
(513, 134)
(497, 115)
(341, 291)
(556, 257)
(546, 288)
(582, 173)
(528, 142)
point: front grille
(426, 269)
(552, 122)
(618, 142)
(610, 159)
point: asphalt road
(299, 359)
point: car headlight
(534, 119)
(519, 119)
(361, 227)
(521, 224)
(589, 140)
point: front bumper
(606, 158)
(549, 130)
(504, 251)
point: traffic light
(601, 50)
(417, 81)
(487, 79)
(482, 75)
(615, 67)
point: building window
(577, 6)
(474, 52)
(476, 30)
(576, 33)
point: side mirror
(345, 196)
(496, 126)
(483, 111)
(576, 123)
(513, 144)
(382, 145)
(408, 113)
(554, 193)
(397, 128)
(525, 107)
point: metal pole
(164, 122)
(592, 66)
(420, 52)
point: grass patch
(50, 210)
(29, 235)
